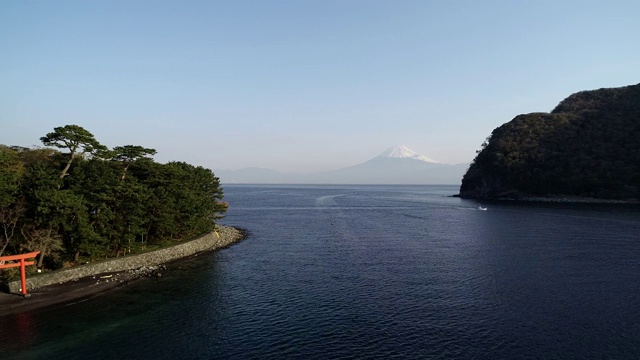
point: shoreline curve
(67, 285)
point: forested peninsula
(587, 147)
(75, 200)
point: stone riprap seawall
(227, 236)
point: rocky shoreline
(124, 277)
(575, 199)
(85, 286)
(553, 199)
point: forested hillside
(81, 201)
(588, 146)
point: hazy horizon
(396, 165)
(302, 86)
(312, 171)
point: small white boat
(482, 208)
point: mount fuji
(403, 152)
(396, 165)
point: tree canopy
(75, 139)
(588, 146)
(72, 207)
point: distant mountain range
(396, 165)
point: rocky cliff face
(588, 146)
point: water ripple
(374, 272)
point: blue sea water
(371, 272)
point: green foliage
(10, 171)
(75, 139)
(128, 154)
(184, 201)
(92, 210)
(589, 145)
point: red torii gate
(22, 263)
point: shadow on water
(126, 318)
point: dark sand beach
(62, 293)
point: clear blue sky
(302, 85)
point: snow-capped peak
(400, 151)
